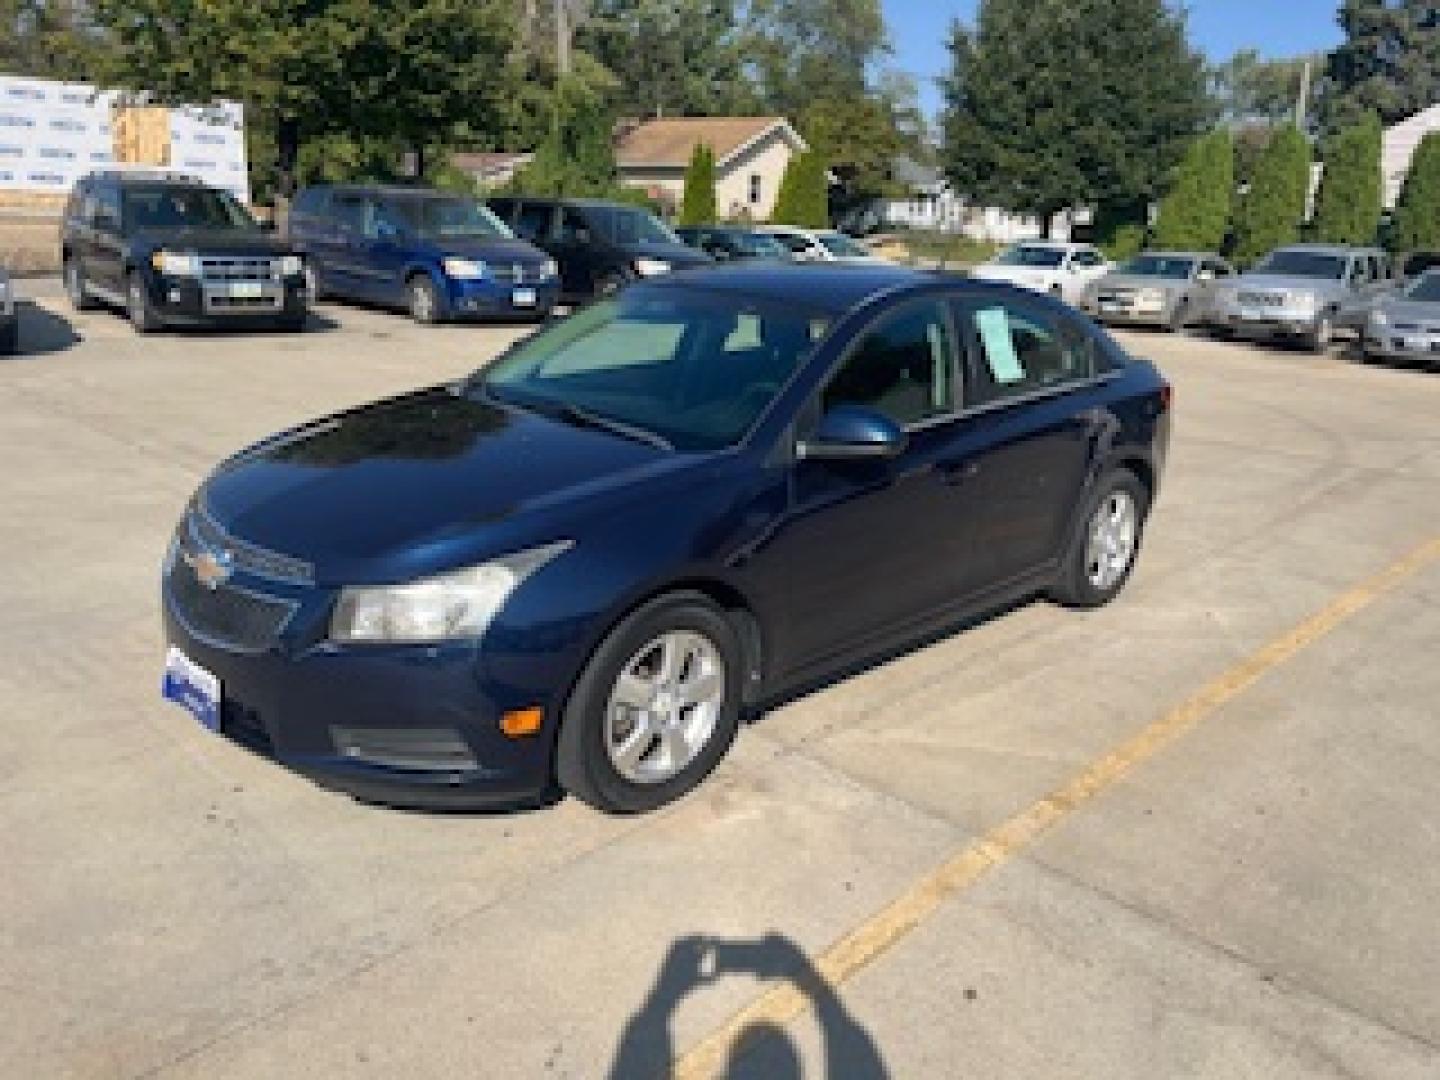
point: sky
(919, 29)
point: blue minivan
(438, 254)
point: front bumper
(1131, 314)
(489, 297)
(1270, 323)
(1400, 347)
(413, 726)
(189, 301)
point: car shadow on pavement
(763, 1050)
(42, 332)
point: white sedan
(1060, 269)
(820, 245)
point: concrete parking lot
(1193, 834)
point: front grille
(201, 530)
(238, 268)
(219, 301)
(1115, 296)
(1262, 299)
(518, 274)
(226, 616)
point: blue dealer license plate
(191, 686)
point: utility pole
(1302, 106)
(562, 37)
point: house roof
(489, 161)
(669, 142)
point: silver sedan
(1173, 289)
(1404, 324)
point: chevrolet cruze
(580, 568)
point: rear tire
(1102, 553)
(137, 305)
(624, 759)
(424, 300)
(10, 337)
(75, 290)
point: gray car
(1173, 289)
(1403, 324)
(9, 316)
(1304, 292)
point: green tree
(698, 206)
(325, 69)
(1272, 213)
(1347, 210)
(1417, 214)
(806, 51)
(577, 157)
(49, 39)
(1389, 63)
(1195, 214)
(803, 199)
(1101, 109)
(671, 57)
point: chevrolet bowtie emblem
(212, 569)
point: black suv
(599, 245)
(172, 251)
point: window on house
(754, 189)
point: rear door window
(1018, 349)
(348, 212)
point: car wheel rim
(312, 285)
(664, 707)
(421, 304)
(1111, 542)
(72, 280)
(137, 303)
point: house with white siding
(1401, 140)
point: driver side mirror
(853, 433)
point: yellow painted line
(885, 928)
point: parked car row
(1305, 293)
(171, 251)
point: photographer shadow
(763, 1049)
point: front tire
(75, 290)
(137, 305)
(1323, 334)
(1102, 554)
(424, 300)
(655, 709)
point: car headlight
(464, 269)
(548, 269)
(1304, 301)
(1151, 297)
(651, 267)
(172, 264)
(447, 607)
(291, 266)
(1378, 317)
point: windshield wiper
(582, 417)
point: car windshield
(167, 206)
(1029, 255)
(442, 219)
(839, 244)
(1302, 264)
(754, 244)
(1418, 263)
(694, 368)
(1424, 289)
(1161, 266)
(624, 225)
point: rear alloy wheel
(655, 710)
(137, 305)
(424, 300)
(1102, 554)
(1180, 317)
(75, 290)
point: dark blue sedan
(580, 568)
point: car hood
(420, 484)
(1017, 275)
(497, 249)
(675, 254)
(1139, 281)
(1400, 309)
(213, 241)
(1276, 282)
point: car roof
(1181, 254)
(829, 288)
(1330, 249)
(411, 191)
(1066, 245)
(563, 200)
(147, 177)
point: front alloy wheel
(1110, 542)
(655, 709)
(424, 300)
(137, 305)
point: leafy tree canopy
(1273, 211)
(698, 206)
(1195, 214)
(1389, 63)
(1347, 210)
